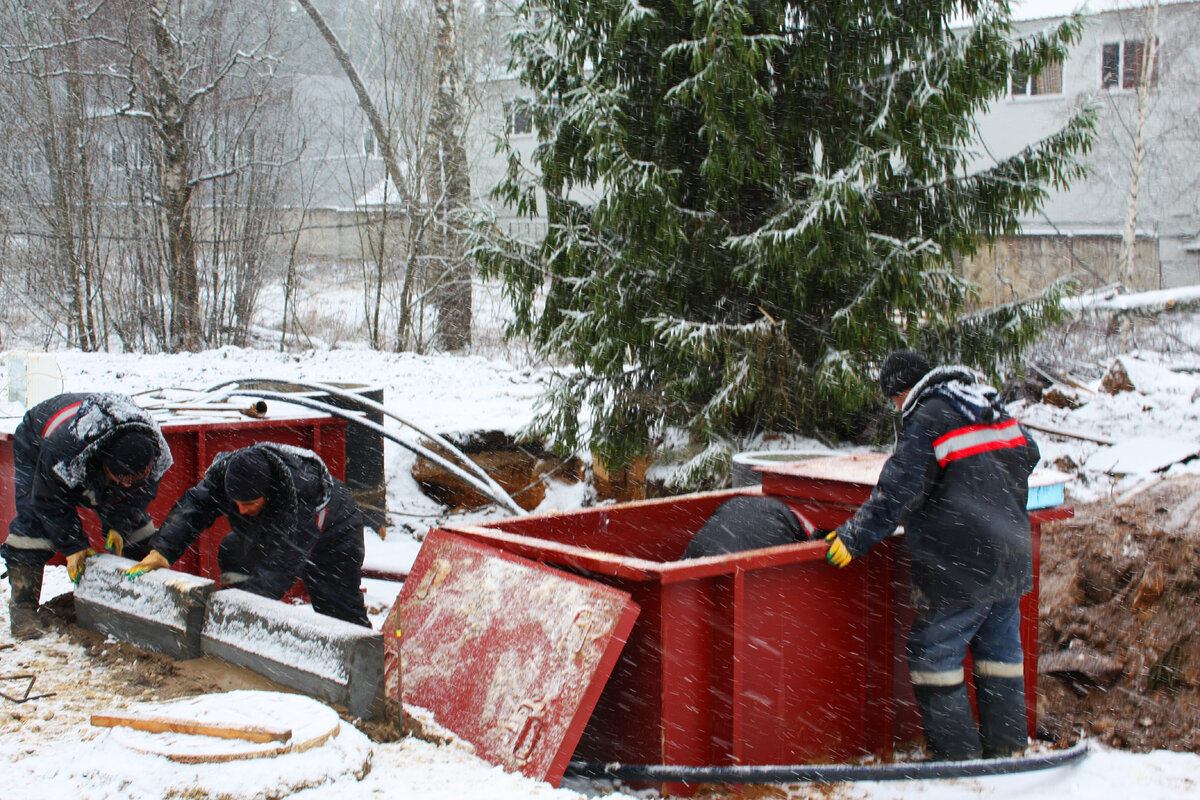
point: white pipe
(371, 404)
(499, 496)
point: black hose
(828, 773)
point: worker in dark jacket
(290, 520)
(958, 483)
(97, 451)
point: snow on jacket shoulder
(958, 483)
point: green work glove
(114, 542)
(153, 560)
(76, 562)
(837, 554)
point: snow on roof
(1024, 10)
(381, 194)
(1040, 229)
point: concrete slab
(162, 610)
(320, 656)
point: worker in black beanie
(958, 483)
(99, 451)
(247, 475)
(129, 454)
(901, 371)
(290, 520)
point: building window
(1048, 82)
(1121, 64)
(518, 117)
(370, 143)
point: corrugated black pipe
(828, 773)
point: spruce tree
(750, 203)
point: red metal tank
(194, 443)
(761, 657)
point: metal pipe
(372, 405)
(499, 496)
(828, 773)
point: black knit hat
(901, 371)
(129, 453)
(247, 475)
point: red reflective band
(804, 522)
(59, 418)
(974, 439)
(321, 518)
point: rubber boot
(949, 725)
(1001, 715)
(25, 582)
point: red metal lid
(508, 653)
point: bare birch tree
(430, 185)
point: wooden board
(251, 733)
(311, 723)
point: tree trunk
(1149, 53)
(450, 188)
(176, 189)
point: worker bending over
(98, 451)
(958, 483)
(290, 520)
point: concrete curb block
(327, 658)
(162, 610)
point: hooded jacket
(958, 483)
(59, 442)
(308, 514)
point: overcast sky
(1034, 9)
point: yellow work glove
(75, 564)
(837, 554)
(153, 560)
(114, 542)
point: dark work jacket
(958, 483)
(309, 515)
(57, 470)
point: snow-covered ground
(48, 749)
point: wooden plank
(251, 733)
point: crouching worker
(748, 522)
(97, 451)
(958, 482)
(289, 518)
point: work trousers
(937, 645)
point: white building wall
(1169, 184)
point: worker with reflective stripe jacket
(958, 483)
(289, 518)
(99, 451)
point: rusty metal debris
(25, 696)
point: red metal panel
(193, 445)
(507, 653)
(651, 530)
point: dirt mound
(1120, 619)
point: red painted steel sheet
(509, 654)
